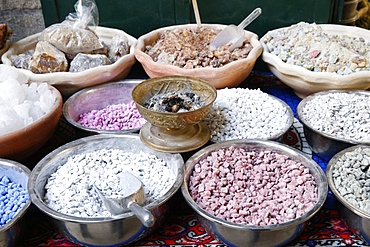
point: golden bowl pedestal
(174, 132)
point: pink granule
(252, 187)
(113, 117)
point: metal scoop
(132, 199)
(234, 34)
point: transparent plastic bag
(75, 34)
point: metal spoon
(132, 199)
(234, 34)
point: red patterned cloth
(325, 229)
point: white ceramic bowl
(5, 48)
(68, 83)
(230, 75)
(305, 82)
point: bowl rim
(317, 78)
(90, 90)
(21, 169)
(211, 88)
(45, 162)
(311, 97)
(329, 173)
(252, 56)
(5, 48)
(72, 78)
(282, 148)
(57, 104)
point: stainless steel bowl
(249, 235)
(325, 145)
(275, 136)
(101, 231)
(357, 220)
(96, 98)
(13, 230)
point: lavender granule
(113, 117)
(252, 187)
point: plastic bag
(75, 34)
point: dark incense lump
(174, 102)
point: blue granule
(13, 197)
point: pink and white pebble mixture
(252, 187)
(113, 117)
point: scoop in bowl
(132, 199)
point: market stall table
(181, 227)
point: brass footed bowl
(174, 132)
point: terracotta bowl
(20, 144)
(68, 83)
(305, 82)
(230, 75)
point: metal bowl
(13, 230)
(230, 75)
(249, 235)
(357, 220)
(122, 230)
(323, 144)
(95, 98)
(305, 82)
(174, 132)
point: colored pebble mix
(12, 199)
(113, 117)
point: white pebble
(69, 189)
(340, 114)
(241, 113)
